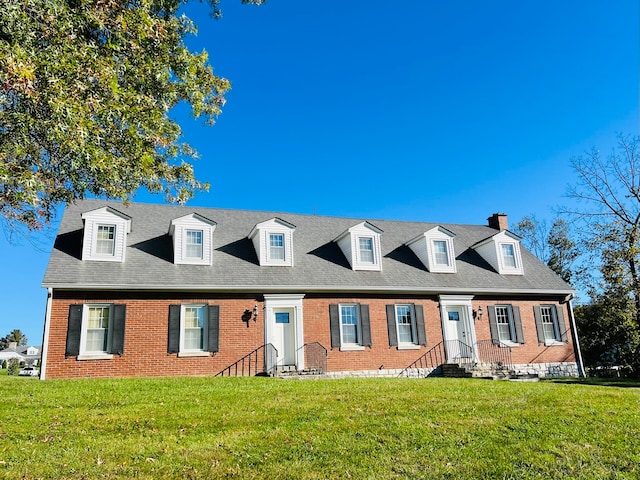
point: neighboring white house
(29, 355)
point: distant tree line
(14, 336)
(596, 248)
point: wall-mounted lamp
(477, 314)
(255, 313)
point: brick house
(155, 290)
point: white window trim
(512, 327)
(414, 332)
(507, 269)
(185, 256)
(203, 352)
(551, 342)
(285, 254)
(424, 247)
(94, 355)
(350, 347)
(94, 245)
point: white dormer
(273, 241)
(105, 235)
(502, 252)
(192, 239)
(434, 248)
(361, 245)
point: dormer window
(502, 252)
(366, 250)
(361, 246)
(105, 235)
(273, 241)
(192, 239)
(508, 255)
(276, 247)
(106, 240)
(193, 244)
(434, 248)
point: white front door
(458, 329)
(284, 336)
(283, 329)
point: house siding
(146, 333)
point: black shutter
(213, 328)
(117, 333)
(366, 325)
(73, 331)
(517, 323)
(420, 329)
(391, 325)
(538, 316)
(173, 345)
(334, 325)
(493, 324)
(562, 326)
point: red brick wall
(146, 334)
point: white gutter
(45, 336)
(307, 288)
(581, 372)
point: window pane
(276, 246)
(548, 323)
(349, 320)
(97, 329)
(366, 250)
(405, 324)
(508, 256)
(194, 328)
(503, 322)
(105, 239)
(194, 244)
(440, 252)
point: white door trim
(462, 302)
(294, 301)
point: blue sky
(413, 110)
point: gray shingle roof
(319, 264)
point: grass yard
(352, 428)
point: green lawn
(352, 428)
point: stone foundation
(547, 370)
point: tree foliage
(14, 336)
(86, 87)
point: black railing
(433, 358)
(494, 353)
(262, 361)
(315, 357)
(458, 352)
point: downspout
(576, 343)
(45, 335)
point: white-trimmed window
(406, 325)
(105, 239)
(349, 325)
(440, 252)
(95, 330)
(550, 324)
(276, 247)
(508, 252)
(193, 244)
(193, 328)
(504, 322)
(365, 250)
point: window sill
(95, 356)
(508, 343)
(553, 343)
(409, 346)
(193, 354)
(352, 348)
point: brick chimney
(498, 221)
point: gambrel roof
(320, 265)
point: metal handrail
(315, 357)
(260, 361)
(432, 358)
